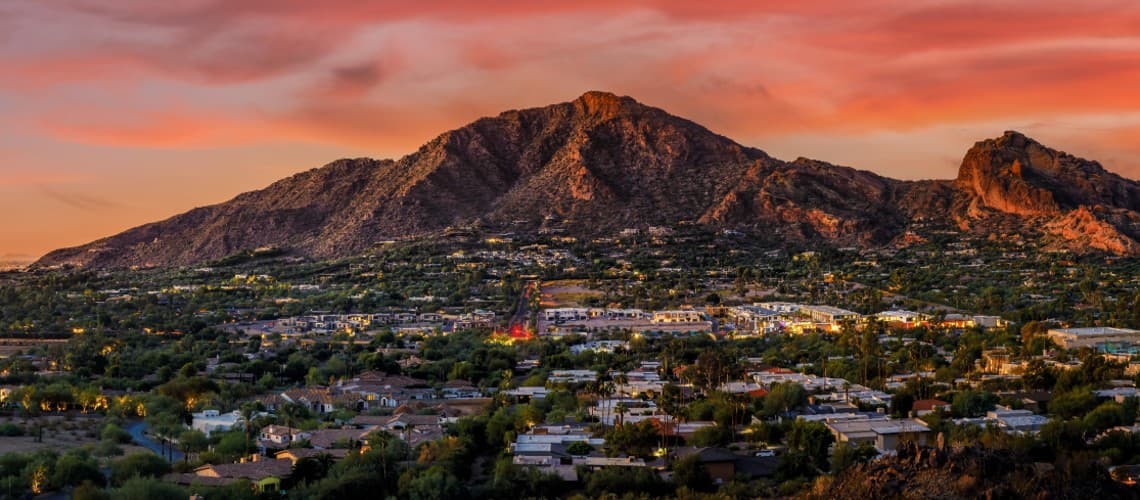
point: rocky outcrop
(603, 162)
(1015, 174)
(920, 472)
(1084, 228)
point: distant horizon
(121, 115)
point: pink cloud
(392, 74)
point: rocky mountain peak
(1005, 174)
(1018, 175)
(604, 104)
(602, 101)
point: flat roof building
(1073, 338)
(828, 314)
(884, 434)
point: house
(599, 346)
(884, 434)
(209, 421)
(279, 436)
(678, 316)
(751, 389)
(379, 390)
(901, 318)
(723, 465)
(296, 454)
(406, 420)
(954, 320)
(924, 406)
(1017, 421)
(327, 439)
(460, 389)
(828, 314)
(526, 393)
(266, 475)
(572, 376)
(320, 400)
(547, 457)
(558, 315)
(990, 322)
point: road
(138, 432)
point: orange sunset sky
(117, 113)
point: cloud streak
(79, 201)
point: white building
(572, 376)
(900, 316)
(828, 314)
(599, 346)
(1073, 338)
(566, 314)
(210, 421)
(677, 316)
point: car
(766, 453)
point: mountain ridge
(603, 162)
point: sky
(116, 113)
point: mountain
(602, 162)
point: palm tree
(291, 412)
(248, 412)
(621, 380)
(605, 389)
(621, 410)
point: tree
(114, 433)
(89, 491)
(74, 468)
(713, 435)
(1038, 375)
(137, 465)
(901, 404)
(248, 412)
(579, 448)
(145, 488)
(845, 456)
(192, 441)
(621, 409)
(1109, 414)
(435, 483)
(1073, 403)
(784, 397)
(633, 439)
(690, 473)
(311, 469)
(972, 403)
(616, 481)
(813, 439)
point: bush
(137, 465)
(115, 433)
(713, 435)
(579, 448)
(140, 488)
(11, 430)
(107, 449)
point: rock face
(1015, 174)
(603, 162)
(920, 472)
